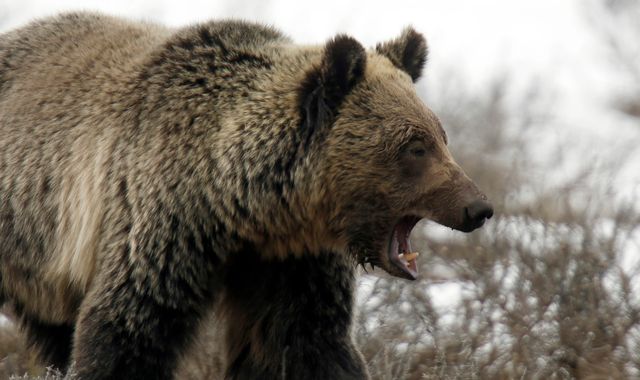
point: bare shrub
(616, 22)
(49, 374)
(547, 290)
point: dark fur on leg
(52, 342)
(143, 341)
(291, 319)
(136, 323)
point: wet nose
(477, 212)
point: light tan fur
(80, 216)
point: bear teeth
(409, 256)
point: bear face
(387, 165)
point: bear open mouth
(399, 252)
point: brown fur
(144, 171)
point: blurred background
(541, 101)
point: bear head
(386, 164)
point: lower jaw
(396, 271)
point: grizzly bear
(148, 173)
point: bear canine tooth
(411, 256)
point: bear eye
(417, 148)
(418, 151)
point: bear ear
(342, 68)
(407, 52)
(325, 86)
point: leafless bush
(49, 374)
(616, 22)
(547, 290)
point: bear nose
(477, 211)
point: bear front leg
(124, 333)
(52, 342)
(142, 310)
(291, 319)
